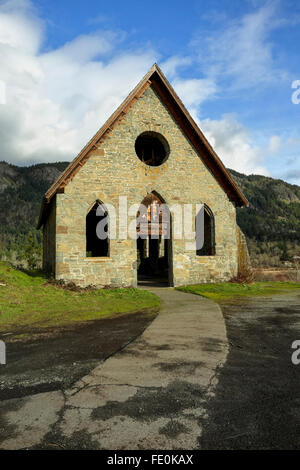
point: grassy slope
(229, 290)
(26, 302)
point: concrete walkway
(151, 395)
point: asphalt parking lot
(257, 400)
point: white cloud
(274, 144)
(242, 50)
(172, 64)
(292, 176)
(233, 144)
(192, 91)
(195, 90)
(56, 101)
(85, 48)
(20, 28)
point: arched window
(97, 222)
(208, 248)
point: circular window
(152, 148)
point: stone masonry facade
(112, 170)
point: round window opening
(152, 148)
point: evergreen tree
(32, 250)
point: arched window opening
(208, 248)
(154, 245)
(152, 148)
(97, 241)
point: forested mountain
(21, 192)
(271, 222)
(274, 208)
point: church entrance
(154, 242)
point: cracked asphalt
(54, 358)
(150, 395)
(196, 378)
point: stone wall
(114, 170)
(244, 262)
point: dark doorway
(154, 245)
(97, 241)
(208, 248)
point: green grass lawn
(230, 290)
(28, 302)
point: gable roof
(162, 87)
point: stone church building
(149, 151)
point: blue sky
(66, 65)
